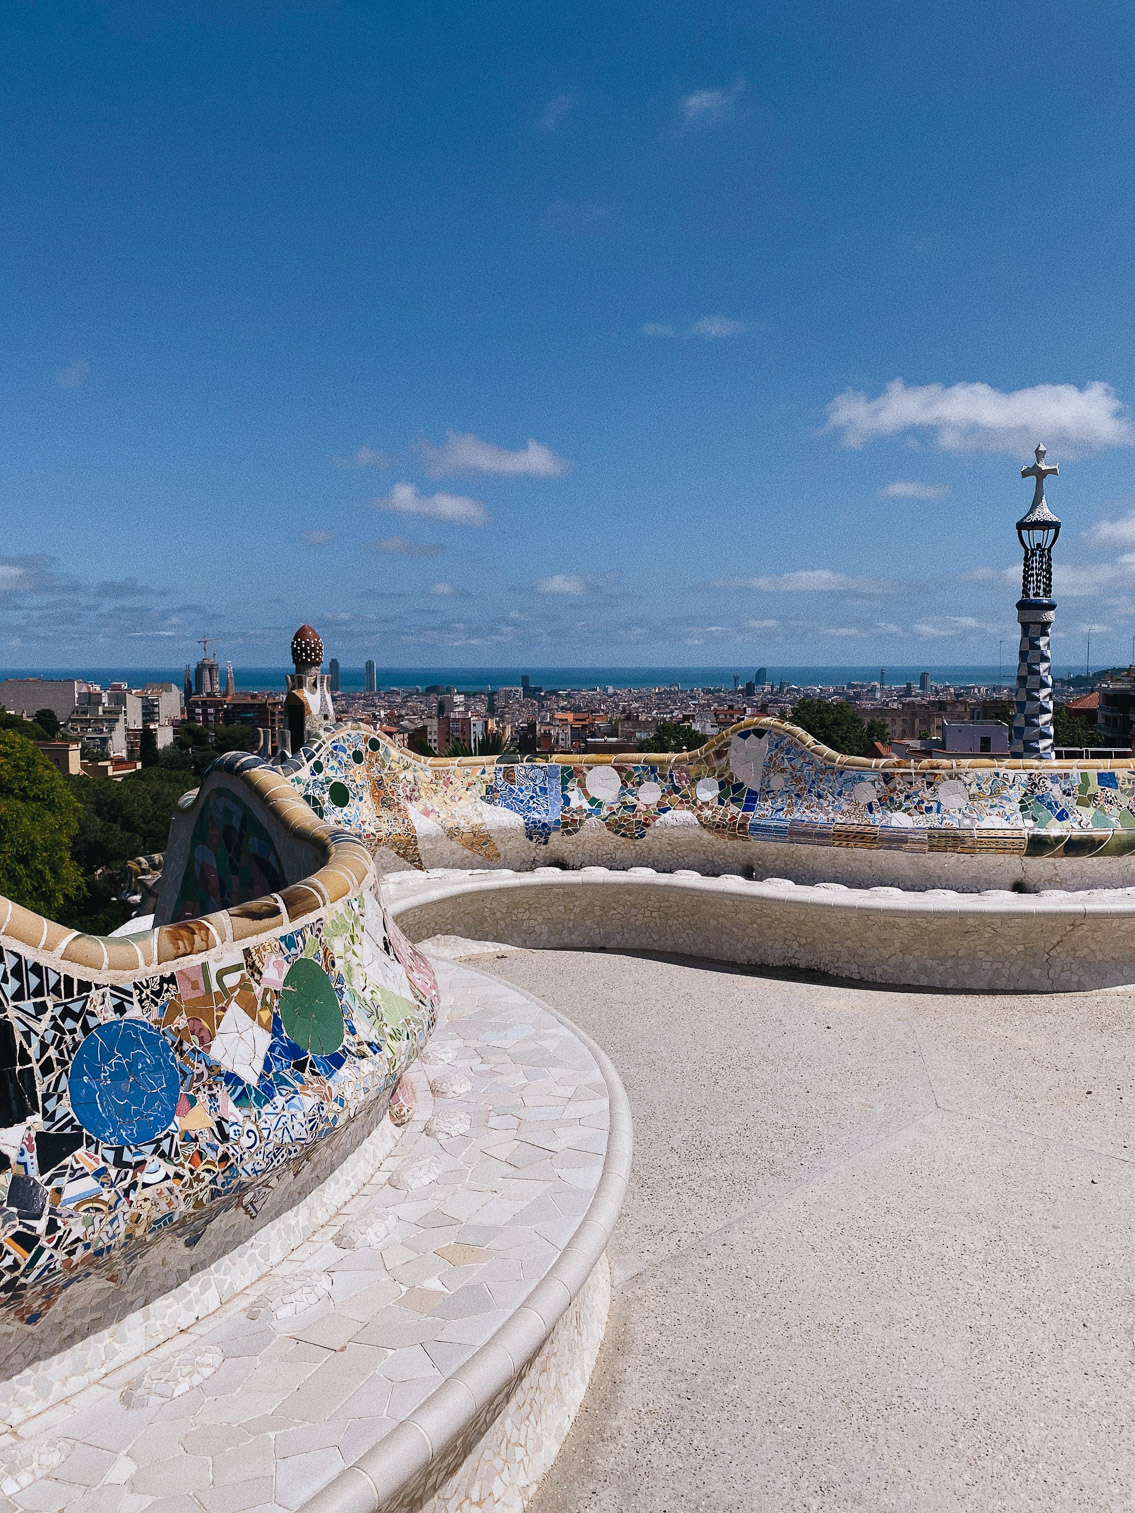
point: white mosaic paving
(260, 1406)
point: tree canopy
(672, 736)
(39, 818)
(834, 723)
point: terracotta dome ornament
(308, 706)
(307, 647)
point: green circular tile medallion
(339, 794)
(309, 1008)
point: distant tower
(882, 677)
(924, 682)
(207, 675)
(1037, 531)
(308, 703)
(761, 677)
(490, 701)
(333, 671)
(230, 685)
(187, 691)
(371, 677)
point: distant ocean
(471, 678)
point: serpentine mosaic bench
(759, 786)
(164, 1095)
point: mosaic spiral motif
(759, 783)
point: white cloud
(710, 107)
(463, 452)
(1071, 582)
(555, 110)
(1119, 532)
(711, 327)
(446, 591)
(716, 326)
(74, 376)
(860, 632)
(973, 417)
(817, 580)
(1089, 629)
(901, 490)
(319, 538)
(404, 499)
(755, 625)
(401, 547)
(365, 457)
(568, 585)
(993, 574)
(955, 625)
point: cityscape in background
(111, 724)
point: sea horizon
(468, 679)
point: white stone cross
(1040, 471)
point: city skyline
(632, 339)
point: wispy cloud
(319, 538)
(1119, 532)
(955, 625)
(816, 580)
(24, 575)
(463, 453)
(714, 327)
(365, 457)
(901, 490)
(404, 499)
(567, 585)
(447, 591)
(74, 375)
(399, 546)
(973, 417)
(706, 108)
(710, 327)
(555, 110)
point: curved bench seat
(993, 942)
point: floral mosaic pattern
(128, 1111)
(759, 782)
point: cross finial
(1040, 470)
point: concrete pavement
(876, 1253)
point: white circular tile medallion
(649, 793)
(707, 789)
(603, 784)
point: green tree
(31, 730)
(118, 820)
(148, 748)
(876, 731)
(1072, 729)
(834, 723)
(48, 722)
(671, 736)
(39, 818)
(488, 745)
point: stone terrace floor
(878, 1251)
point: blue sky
(595, 333)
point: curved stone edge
(440, 1439)
(60, 1376)
(1001, 942)
(347, 867)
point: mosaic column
(1037, 532)
(1032, 715)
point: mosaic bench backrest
(763, 780)
(149, 1084)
